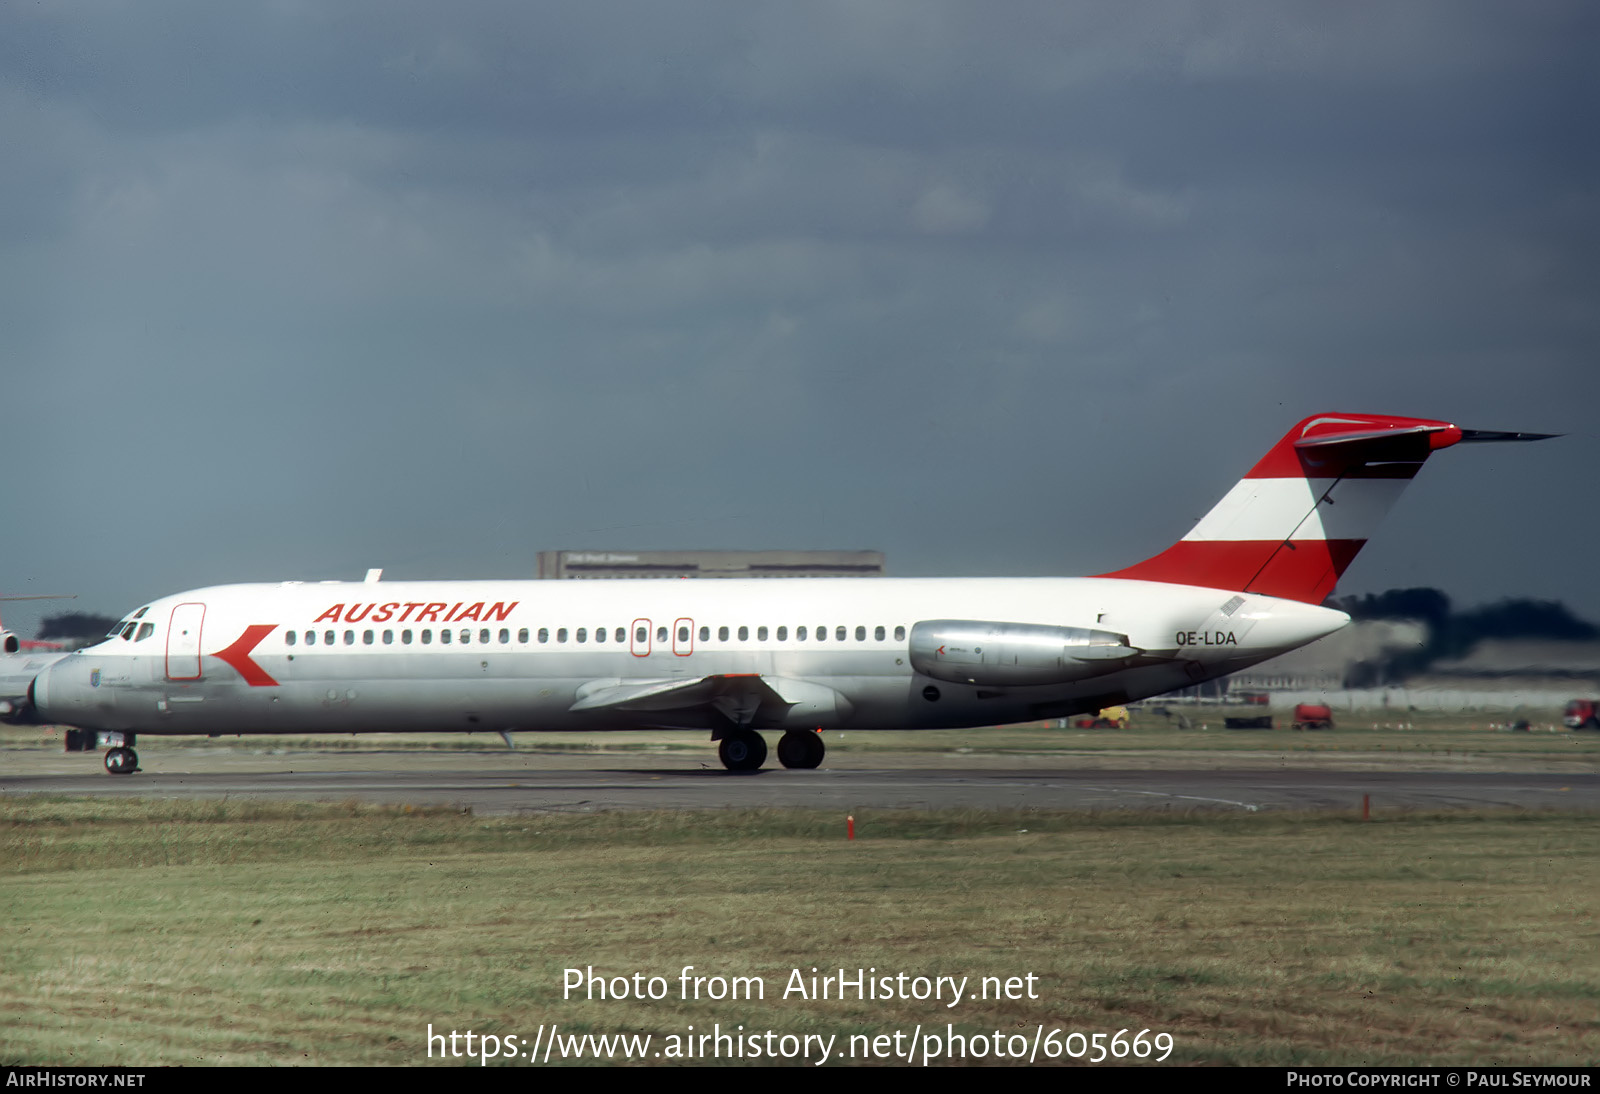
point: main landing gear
(801, 748)
(122, 761)
(742, 750)
(746, 750)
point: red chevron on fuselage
(238, 655)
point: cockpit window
(140, 613)
(145, 631)
(127, 632)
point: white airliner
(737, 657)
(20, 662)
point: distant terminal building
(592, 564)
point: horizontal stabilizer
(1363, 446)
(1476, 436)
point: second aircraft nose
(68, 692)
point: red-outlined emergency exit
(183, 641)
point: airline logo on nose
(238, 655)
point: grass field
(174, 932)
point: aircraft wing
(747, 700)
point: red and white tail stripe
(1294, 523)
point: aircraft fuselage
(551, 655)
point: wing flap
(744, 699)
(620, 694)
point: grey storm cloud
(290, 289)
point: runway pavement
(501, 783)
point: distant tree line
(1451, 633)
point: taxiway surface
(501, 783)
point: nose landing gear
(122, 761)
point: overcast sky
(288, 290)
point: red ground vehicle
(1312, 716)
(1582, 714)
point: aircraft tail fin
(1295, 522)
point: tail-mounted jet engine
(972, 651)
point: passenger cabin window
(799, 634)
(561, 634)
(327, 638)
(466, 636)
(522, 635)
(783, 634)
(505, 636)
(722, 634)
(311, 638)
(877, 633)
(661, 634)
(544, 634)
(683, 634)
(349, 638)
(289, 637)
(822, 634)
(366, 638)
(405, 638)
(838, 633)
(744, 634)
(599, 634)
(621, 635)
(861, 634)
(444, 637)
(583, 634)
(899, 634)
(705, 634)
(761, 634)
(388, 638)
